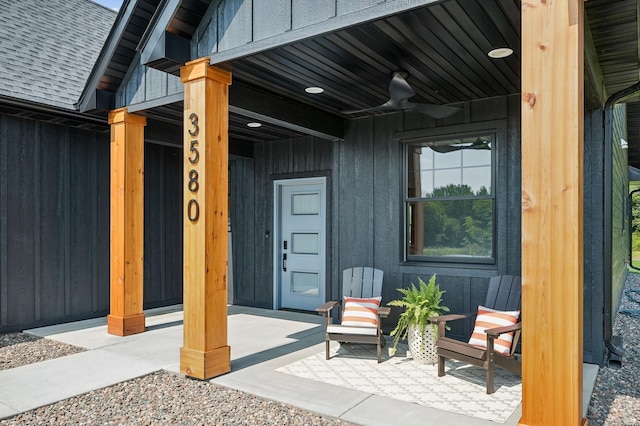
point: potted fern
(419, 303)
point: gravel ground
(160, 398)
(18, 349)
(163, 398)
(616, 397)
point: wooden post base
(205, 365)
(583, 422)
(125, 326)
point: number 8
(193, 184)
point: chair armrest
(496, 331)
(384, 311)
(449, 317)
(324, 309)
(441, 320)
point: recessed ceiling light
(501, 52)
(254, 124)
(314, 90)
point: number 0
(193, 210)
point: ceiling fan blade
(435, 111)
(399, 89)
(384, 107)
(477, 144)
(449, 148)
(443, 149)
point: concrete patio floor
(261, 341)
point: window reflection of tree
(462, 225)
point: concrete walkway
(260, 340)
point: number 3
(194, 122)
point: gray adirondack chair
(356, 282)
(504, 294)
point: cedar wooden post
(127, 223)
(552, 211)
(205, 353)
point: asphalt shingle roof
(48, 48)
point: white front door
(301, 243)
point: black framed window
(449, 199)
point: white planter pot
(422, 345)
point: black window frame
(439, 135)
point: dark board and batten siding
(365, 205)
(619, 214)
(593, 236)
(368, 208)
(143, 84)
(54, 224)
(606, 228)
(251, 209)
(163, 225)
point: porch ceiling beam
(260, 106)
(161, 133)
(157, 26)
(552, 212)
(166, 100)
(100, 100)
(169, 51)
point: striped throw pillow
(490, 318)
(361, 312)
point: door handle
(284, 262)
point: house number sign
(193, 208)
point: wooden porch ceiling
(443, 46)
(444, 49)
(614, 29)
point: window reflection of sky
(446, 160)
(445, 177)
(476, 157)
(477, 177)
(468, 166)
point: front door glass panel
(305, 283)
(304, 243)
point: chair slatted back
(362, 282)
(505, 293)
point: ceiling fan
(477, 144)
(399, 94)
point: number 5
(193, 150)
